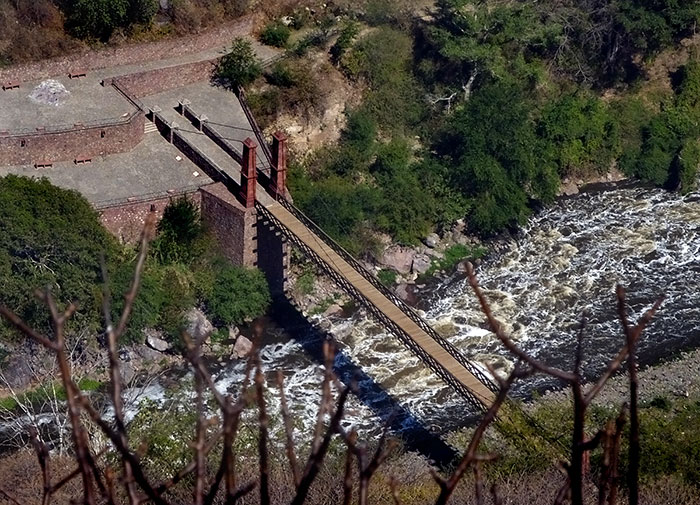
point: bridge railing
(262, 142)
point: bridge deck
(381, 302)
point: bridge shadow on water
(411, 430)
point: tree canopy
(49, 238)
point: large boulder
(17, 373)
(333, 310)
(154, 341)
(197, 325)
(242, 348)
(127, 372)
(432, 240)
(421, 263)
(398, 258)
(406, 292)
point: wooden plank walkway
(382, 303)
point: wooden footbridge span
(434, 350)
(262, 190)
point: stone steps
(150, 127)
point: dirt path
(204, 45)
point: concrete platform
(149, 170)
(220, 106)
(88, 102)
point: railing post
(279, 165)
(248, 174)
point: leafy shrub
(265, 105)
(316, 38)
(145, 312)
(142, 11)
(275, 34)
(384, 59)
(238, 294)
(240, 66)
(306, 282)
(178, 231)
(344, 42)
(688, 165)
(177, 285)
(96, 18)
(298, 87)
(387, 277)
(455, 254)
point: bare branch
(505, 340)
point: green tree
(145, 312)
(384, 59)
(178, 232)
(142, 11)
(580, 134)
(240, 66)
(96, 18)
(275, 34)
(496, 157)
(50, 237)
(669, 136)
(238, 294)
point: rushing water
(566, 261)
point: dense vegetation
(52, 237)
(49, 237)
(485, 108)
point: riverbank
(672, 378)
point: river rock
(333, 310)
(432, 240)
(233, 333)
(458, 237)
(568, 188)
(17, 373)
(127, 372)
(146, 353)
(155, 342)
(421, 263)
(197, 325)
(406, 292)
(242, 348)
(399, 258)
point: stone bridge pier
(246, 237)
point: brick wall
(69, 144)
(125, 221)
(233, 226)
(149, 82)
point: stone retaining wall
(67, 145)
(131, 54)
(126, 220)
(149, 82)
(234, 226)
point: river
(566, 261)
